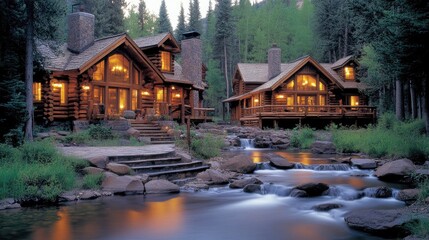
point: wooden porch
(255, 116)
(182, 111)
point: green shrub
(9, 184)
(302, 137)
(387, 121)
(92, 181)
(100, 132)
(38, 152)
(9, 154)
(419, 228)
(207, 146)
(77, 164)
(78, 138)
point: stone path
(90, 152)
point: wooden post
(182, 108)
(188, 133)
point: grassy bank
(390, 138)
(36, 172)
(203, 146)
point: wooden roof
(341, 62)
(158, 41)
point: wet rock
(385, 223)
(364, 163)
(240, 163)
(133, 132)
(279, 162)
(396, 170)
(128, 114)
(92, 170)
(276, 189)
(327, 207)
(161, 186)
(88, 195)
(252, 188)
(213, 176)
(282, 146)
(378, 192)
(99, 161)
(313, 189)
(408, 196)
(121, 184)
(275, 140)
(423, 172)
(195, 186)
(241, 183)
(298, 193)
(325, 147)
(120, 169)
(9, 203)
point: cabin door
(160, 101)
(118, 101)
(307, 101)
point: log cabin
(303, 91)
(92, 79)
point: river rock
(252, 188)
(396, 170)
(408, 196)
(241, 163)
(279, 162)
(121, 184)
(133, 132)
(88, 195)
(161, 186)
(195, 186)
(325, 147)
(241, 183)
(92, 170)
(99, 161)
(9, 203)
(327, 207)
(120, 169)
(385, 223)
(313, 189)
(213, 176)
(298, 193)
(378, 192)
(363, 163)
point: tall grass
(390, 138)
(302, 137)
(205, 146)
(92, 181)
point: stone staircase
(168, 166)
(152, 132)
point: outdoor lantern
(57, 85)
(85, 87)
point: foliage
(419, 228)
(302, 137)
(77, 164)
(99, 132)
(181, 27)
(9, 154)
(194, 23)
(203, 146)
(42, 152)
(92, 181)
(390, 138)
(140, 22)
(164, 24)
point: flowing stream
(219, 213)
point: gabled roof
(341, 62)
(157, 41)
(65, 60)
(258, 73)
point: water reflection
(257, 157)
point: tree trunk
(226, 72)
(29, 71)
(425, 105)
(413, 101)
(399, 100)
(346, 38)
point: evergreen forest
(388, 37)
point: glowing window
(290, 85)
(306, 82)
(136, 76)
(349, 73)
(98, 95)
(119, 68)
(98, 74)
(166, 61)
(354, 100)
(159, 94)
(322, 86)
(322, 100)
(123, 100)
(134, 99)
(62, 89)
(37, 92)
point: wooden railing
(309, 110)
(202, 113)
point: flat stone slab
(364, 163)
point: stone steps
(153, 161)
(153, 132)
(178, 174)
(167, 167)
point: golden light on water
(257, 157)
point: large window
(166, 61)
(349, 73)
(37, 92)
(136, 76)
(98, 74)
(119, 68)
(354, 100)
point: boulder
(99, 161)
(396, 170)
(128, 114)
(252, 188)
(42, 135)
(68, 196)
(121, 184)
(378, 192)
(63, 133)
(213, 176)
(363, 163)
(325, 147)
(88, 195)
(161, 186)
(120, 169)
(241, 183)
(279, 162)
(282, 146)
(9, 203)
(313, 189)
(133, 132)
(298, 193)
(327, 207)
(408, 196)
(241, 163)
(92, 170)
(385, 223)
(195, 186)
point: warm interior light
(85, 87)
(256, 100)
(280, 96)
(57, 85)
(146, 93)
(313, 84)
(177, 95)
(121, 107)
(173, 87)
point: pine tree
(109, 16)
(143, 14)
(194, 23)
(181, 27)
(164, 24)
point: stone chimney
(274, 61)
(192, 61)
(80, 31)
